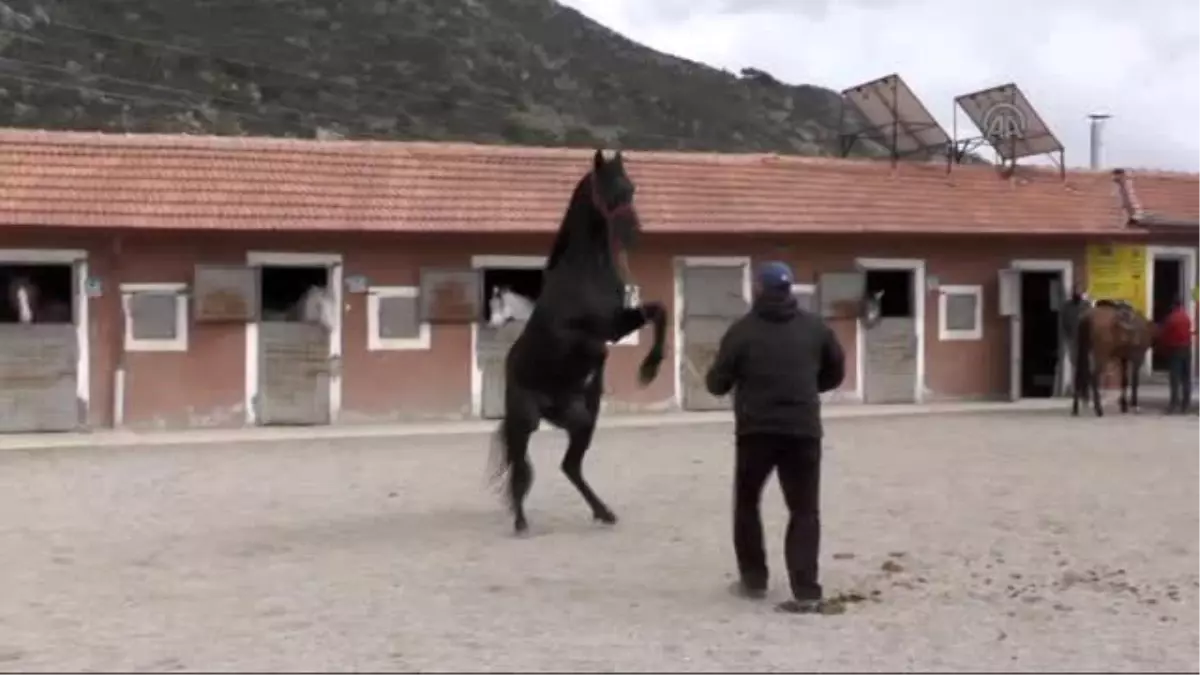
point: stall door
(493, 345)
(1009, 304)
(890, 347)
(713, 298)
(38, 371)
(295, 371)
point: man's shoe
(800, 607)
(744, 590)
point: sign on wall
(1117, 272)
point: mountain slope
(520, 71)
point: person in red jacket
(1175, 339)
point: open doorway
(37, 293)
(283, 291)
(891, 347)
(894, 291)
(1040, 349)
(525, 282)
(1169, 286)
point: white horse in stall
(315, 306)
(23, 296)
(507, 305)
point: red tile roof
(1161, 198)
(185, 182)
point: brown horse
(1109, 333)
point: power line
(447, 106)
(402, 96)
(134, 98)
(165, 89)
(166, 46)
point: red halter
(605, 211)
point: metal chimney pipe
(1097, 147)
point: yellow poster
(1117, 272)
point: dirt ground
(1000, 542)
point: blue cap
(775, 275)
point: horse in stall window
(507, 305)
(554, 371)
(29, 307)
(315, 306)
(1110, 333)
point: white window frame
(945, 334)
(810, 289)
(631, 340)
(375, 343)
(177, 344)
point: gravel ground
(999, 542)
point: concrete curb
(124, 438)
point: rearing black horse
(555, 369)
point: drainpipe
(117, 334)
(1097, 144)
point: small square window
(960, 313)
(156, 317)
(393, 319)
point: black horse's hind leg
(1099, 368)
(517, 428)
(580, 425)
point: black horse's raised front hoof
(607, 517)
(649, 369)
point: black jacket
(777, 360)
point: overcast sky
(1139, 61)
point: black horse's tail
(1083, 357)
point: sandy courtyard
(1024, 542)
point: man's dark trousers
(798, 462)
(1179, 368)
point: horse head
(602, 214)
(507, 305)
(23, 297)
(317, 306)
(497, 312)
(872, 308)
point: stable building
(185, 263)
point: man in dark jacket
(777, 360)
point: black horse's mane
(578, 203)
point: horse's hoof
(520, 527)
(647, 372)
(606, 517)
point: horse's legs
(1123, 364)
(1099, 368)
(629, 320)
(516, 429)
(580, 425)
(1134, 367)
(1079, 388)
